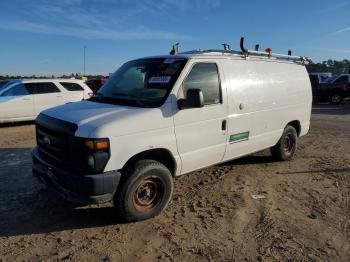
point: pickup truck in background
(334, 90)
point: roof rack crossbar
(246, 52)
(255, 52)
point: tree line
(330, 66)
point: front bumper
(85, 189)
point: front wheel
(286, 146)
(336, 98)
(145, 192)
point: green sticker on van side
(239, 137)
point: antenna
(84, 58)
(175, 49)
(226, 47)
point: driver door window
(203, 76)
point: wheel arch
(161, 155)
(296, 125)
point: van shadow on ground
(26, 207)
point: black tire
(286, 146)
(144, 192)
(336, 98)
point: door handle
(58, 96)
(223, 125)
(26, 98)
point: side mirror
(194, 99)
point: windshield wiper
(128, 96)
(98, 97)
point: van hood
(96, 119)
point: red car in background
(95, 84)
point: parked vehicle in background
(22, 100)
(322, 77)
(316, 79)
(164, 116)
(95, 84)
(333, 90)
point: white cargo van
(164, 116)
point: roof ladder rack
(268, 53)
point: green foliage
(330, 66)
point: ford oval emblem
(47, 141)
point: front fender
(125, 147)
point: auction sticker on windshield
(172, 60)
(159, 79)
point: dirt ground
(304, 215)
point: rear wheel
(145, 192)
(336, 98)
(287, 145)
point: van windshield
(141, 83)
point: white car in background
(23, 100)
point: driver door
(201, 132)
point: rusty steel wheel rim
(288, 144)
(148, 194)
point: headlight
(91, 161)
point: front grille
(54, 139)
(52, 143)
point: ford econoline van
(164, 116)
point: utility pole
(84, 59)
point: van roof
(222, 54)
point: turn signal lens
(97, 144)
(100, 145)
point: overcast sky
(45, 37)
